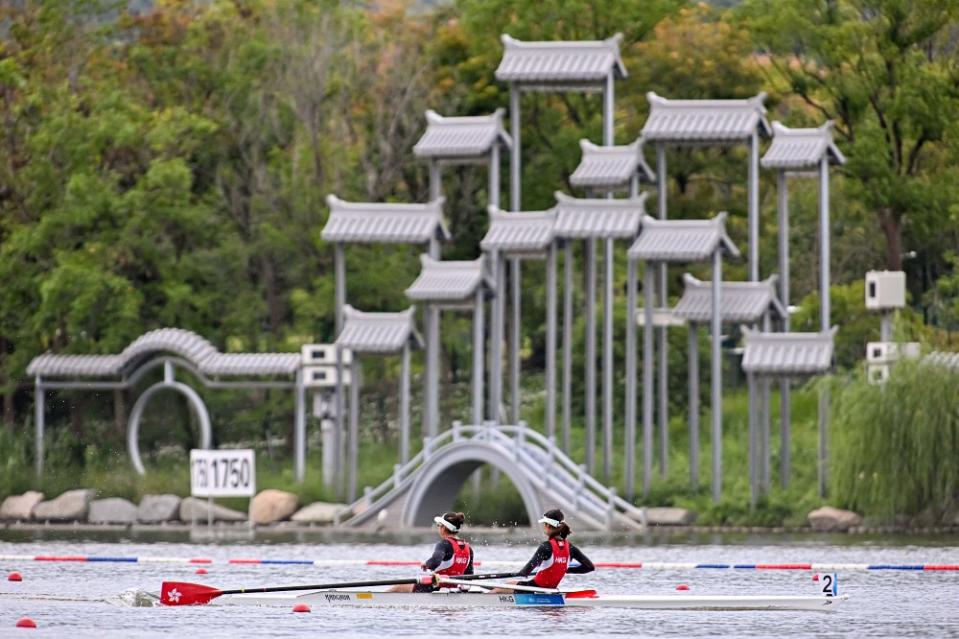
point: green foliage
(895, 445)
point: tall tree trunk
(892, 228)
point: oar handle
(341, 584)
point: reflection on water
(115, 600)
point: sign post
(222, 473)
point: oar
(487, 575)
(572, 594)
(181, 593)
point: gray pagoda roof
(581, 218)
(529, 232)
(739, 302)
(787, 353)
(378, 332)
(175, 341)
(705, 121)
(461, 138)
(682, 240)
(384, 223)
(560, 65)
(801, 149)
(611, 167)
(449, 281)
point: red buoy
(201, 571)
(301, 607)
(815, 577)
(14, 576)
(26, 622)
(682, 587)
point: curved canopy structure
(177, 341)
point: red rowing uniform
(458, 563)
(552, 571)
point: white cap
(546, 520)
(441, 521)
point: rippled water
(98, 600)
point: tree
(887, 72)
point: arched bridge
(544, 476)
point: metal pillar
(693, 405)
(608, 101)
(479, 352)
(39, 422)
(338, 424)
(299, 430)
(717, 379)
(514, 340)
(590, 360)
(354, 449)
(885, 326)
(435, 184)
(551, 342)
(765, 420)
(494, 187)
(496, 338)
(661, 332)
(629, 409)
(514, 167)
(608, 363)
(405, 405)
(339, 270)
(824, 304)
(649, 290)
(785, 408)
(753, 187)
(567, 342)
(432, 376)
(751, 389)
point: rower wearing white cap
(554, 556)
(451, 557)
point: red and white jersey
(552, 570)
(459, 562)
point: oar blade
(581, 594)
(182, 593)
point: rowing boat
(586, 599)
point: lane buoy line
(647, 565)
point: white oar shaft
(498, 584)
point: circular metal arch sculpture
(133, 426)
(437, 486)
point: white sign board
(222, 473)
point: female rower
(553, 556)
(451, 557)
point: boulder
(192, 509)
(270, 506)
(669, 517)
(319, 512)
(72, 505)
(829, 519)
(155, 509)
(113, 510)
(20, 507)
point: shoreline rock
(112, 510)
(829, 519)
(192, 509)
(20, 507)
(155, 509)
(271, 506)
(72, 505)
(319, 512)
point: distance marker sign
(222, 473)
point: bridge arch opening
(437, 488)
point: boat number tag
(828, 583)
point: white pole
(38, 423)
(479, 352)
(339, 274)
(662, 331)
(608, 101)
(338, 417)
(435, 185)
(433, 370)
(496, 337)
(299, 427)
(608, 363)
(551, 341)
(785, 418)
(693, 405)
(494, 174)
(754, 207)
(515, 168)
(567, 342)
(354, 425)
(825, 315)
(590, 362)
(405, 405)
(630, 405)
(514, 345)
(649, 292)
(717, 378)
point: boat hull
(525, 600)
